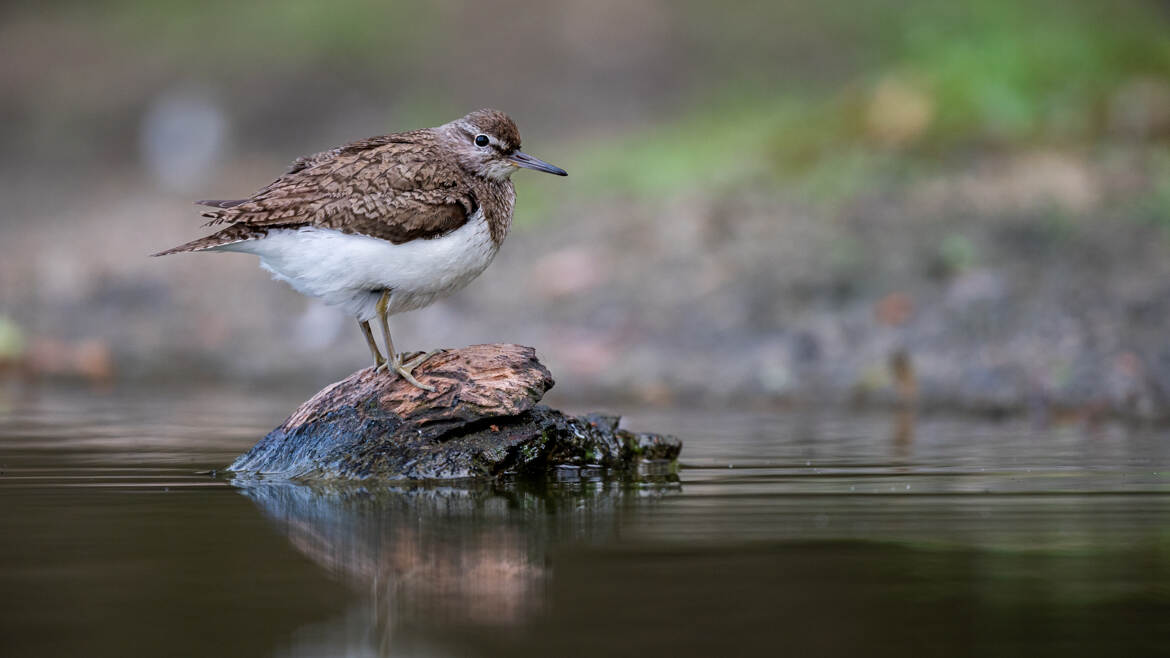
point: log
(482, 421)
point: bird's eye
(481, 140)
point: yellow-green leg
(369, 334)
(394, 359)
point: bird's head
(488, 145)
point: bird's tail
(230, 235)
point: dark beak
(528, 162)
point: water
(792, 533)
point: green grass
(998, 75)
(228, 37)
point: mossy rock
(482, 421)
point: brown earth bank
(1013, 282)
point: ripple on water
(827, 531)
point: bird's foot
(405, 357)
(405, 370)
(415, 359)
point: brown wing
(396, 187)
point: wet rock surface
(482, 421)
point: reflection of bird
(386, 224)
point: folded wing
(397, 188)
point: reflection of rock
(404, 545)
(433, 554)
(482, 420)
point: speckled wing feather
(398, 187)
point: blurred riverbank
(964, 209)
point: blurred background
(873, 201)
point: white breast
(352, 270)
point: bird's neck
(496, 199)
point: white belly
(351, 271)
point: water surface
(803, 533)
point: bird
(383, 225)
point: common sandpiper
(383, 225)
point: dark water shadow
(426, 556)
